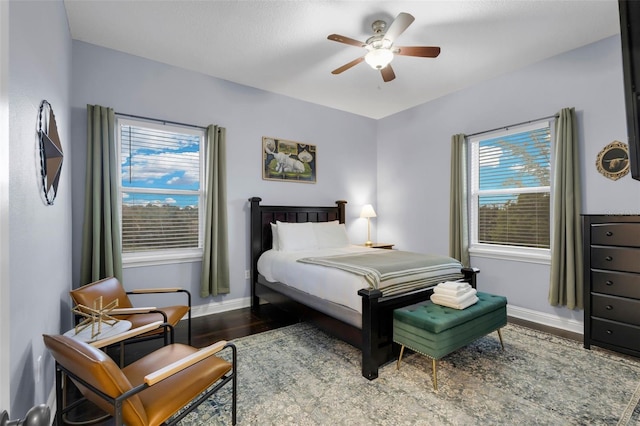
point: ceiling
(282, 47)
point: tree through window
(510, 187)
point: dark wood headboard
(263, 216)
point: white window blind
(510, 187)
(161, 191)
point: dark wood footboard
(375, 338)
(377, 323)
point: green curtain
(566, 286)
(458, 223)
(215, 261)
(101, 246)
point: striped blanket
(394, 271)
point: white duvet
(332, 284)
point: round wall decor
(613, 160)
(50, 151)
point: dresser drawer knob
(608, 307)
(609, 282)
(608, 258)
(609, 233)
(609, 332)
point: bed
(366, 323)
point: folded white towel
(454, 285)
(449, 292)
(464, 305)
(456, 300)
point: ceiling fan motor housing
(379, 26)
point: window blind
(512, 188)
(161, 191)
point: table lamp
(368, 212)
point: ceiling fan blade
(422, 51)
(387, 73)
(397, 27)
(345, 40)
(347, 66)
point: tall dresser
(612, 282)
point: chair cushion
(174, 315)
(165, 398)
(436, 318)
(109, 288)
(97, 369)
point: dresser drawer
(615, 258)
(615, 333)
(616, 234)
(615, 308)
(615, 283)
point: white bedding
(335, 285)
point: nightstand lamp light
(368, 212)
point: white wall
(414, 158)
(4, 205)
(345, 143)
(39, 235)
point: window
(161, 192)
(510, 195)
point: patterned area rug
(631, 414)
(298, 375)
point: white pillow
(274, 237)
(331, 234)
(296, 236)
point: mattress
(324, 274)
(335, 285)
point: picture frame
(288, 161)
(613, 161)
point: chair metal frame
(62, 373)
(159, 310)
(144, 310)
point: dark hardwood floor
(209, 329)
(227, 326)
(547, 329)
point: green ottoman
(435, 331)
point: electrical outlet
(247, 274)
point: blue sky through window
(519, 160)
(160, 162)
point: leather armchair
(149, 391)
(111, 289)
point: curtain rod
(160, 121)
(512, 125)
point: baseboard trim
(530, 315)
(218, 307)
(549, 320)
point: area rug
(298, 375)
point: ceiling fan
(380, 48)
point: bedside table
(379, 245)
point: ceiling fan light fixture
(379, 58)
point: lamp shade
(378, 58)
(367, 211)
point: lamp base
(368, 243)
